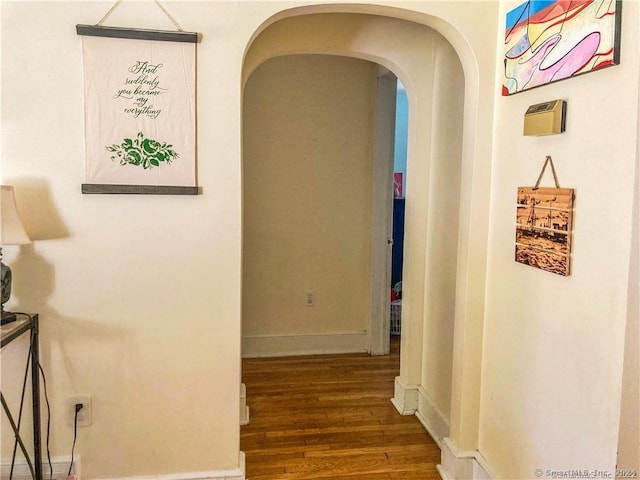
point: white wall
(139, 299)
(629, 436)
(553, 346)
(442, 228)
(307, 160)
(140, 296)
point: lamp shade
(11, 229)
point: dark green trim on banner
(137, 33)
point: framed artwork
(140, 110)
(544, 219)
(551, 40)
(397, 185)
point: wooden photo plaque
(544, 219)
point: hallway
(330, 417)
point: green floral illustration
(144, 152)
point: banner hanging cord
(173, 20)
(164, 10)
(106, 15)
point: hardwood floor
(330, 417)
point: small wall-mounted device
(545, 118)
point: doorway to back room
(399, 192)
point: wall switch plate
(84, 415)
(311, 298)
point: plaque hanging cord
(164, 10)
(548, 161)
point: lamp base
(8, 317)
(5, 278)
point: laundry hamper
(396, 316)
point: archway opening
(431, 70)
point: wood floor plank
(329, 417)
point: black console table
(11, 331)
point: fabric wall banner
(140, 107)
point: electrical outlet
(311, 298)
(84, 414)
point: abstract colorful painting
(550, 40)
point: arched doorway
(442, 163)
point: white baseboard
(244, 410)
(442, 472)
(431, 418)
(460, 465)
(481, 469)
(455, 464)
(255, 346)
(236, 474)
(59, 467)
(405, 397)
(244, 416)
